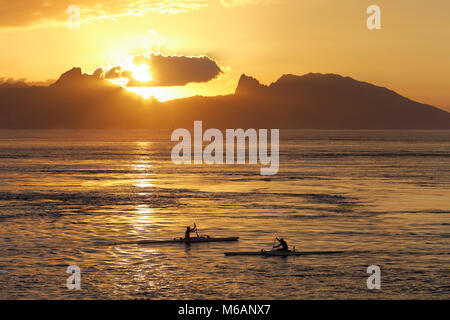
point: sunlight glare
(141, 72)
(160, 93)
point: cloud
(234, 3)
(30, 13)
(44, 13)
(113, 73)
(175, 70)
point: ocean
(66, 196)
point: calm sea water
(383, 197)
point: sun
(141, 72)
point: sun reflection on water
(143, 166)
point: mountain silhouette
(311, 101)
(332, 101)
(75, 100)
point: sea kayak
(179, 240)
(279, 253)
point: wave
(368, 154)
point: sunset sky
(262, 38)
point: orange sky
(262, 38)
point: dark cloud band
(167, 71)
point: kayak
(281, 253)
(180, 240)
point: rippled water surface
(383, 197)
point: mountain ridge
(309, 101)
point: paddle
(196, 230)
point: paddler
(189, 230)
(283, 244)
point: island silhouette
(311, 101)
